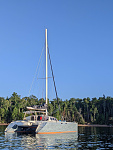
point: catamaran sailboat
(40, 122)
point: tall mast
(46, 68)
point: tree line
(86, 110)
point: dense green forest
(93, 111)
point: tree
(15, 114)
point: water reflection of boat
(44, 141)
(9, 136)
(66, 140)
(42, 123)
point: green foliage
(95, 111)
(15, 114)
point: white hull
(48, 127)
(22, 126)
(42, 127)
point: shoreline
(3, 124)
(79, 125)
(93, 125)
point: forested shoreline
(83, 111)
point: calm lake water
(95, 138)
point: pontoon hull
(57, 127)
(21, 126)
(42, 127)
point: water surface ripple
(95, 138)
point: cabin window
(32, 117)
(52, 118)
(38, 118)
(15, 126)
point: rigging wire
(37, 68)
(35, 71)
(54, 81)
(53, 75)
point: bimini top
(38, 107)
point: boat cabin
(34, 117)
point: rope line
(35, 72)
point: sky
(80, 40)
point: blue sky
(80, 39)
